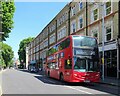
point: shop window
(111, 63)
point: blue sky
(29, 19)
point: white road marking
(78, 89)
(70, 87)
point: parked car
(32, 67)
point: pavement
(1, 70)
(110, 81)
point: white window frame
(61, 33)
(37, 56)
(31, 58)
(63, 17)
(95, 14)
(95, 30)
(73, 11)
(52, 38)
(109, 24)
(92, 13)
(80, 6)
(58, 22)
(41, 45)
(106, 34)
(58, 35)
(46, 42)
(107, 8)
(34, 57)
(80, 17)
(73, 22)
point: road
(23, 82)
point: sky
(30, 18)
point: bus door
(67, 69)
(52, 70)
(56, 70)
(49, 69)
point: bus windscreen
(85, 65)
(82, 41)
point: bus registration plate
(87, 81)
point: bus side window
(47, 66)
(62, 54)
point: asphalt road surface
(23, 82)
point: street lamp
(103, 35)
(118, 43)
(118, 55)
(103, 39)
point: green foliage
(8, 9)
(6, 55)
(11, 63)
(2, 63)
(22, 48)
(51, 51)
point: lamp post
(118, 43)
(103, 39)
(103, 34)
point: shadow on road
(47, 80)
(25, 70)
(95, 86)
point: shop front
(110, 59)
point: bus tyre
(61, 77)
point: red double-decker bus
(74, 59)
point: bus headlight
(97, 75)
(75, 75)
(67, 73)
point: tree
(7, 9)
(7, 54)
(2, 63)
(22, 49)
